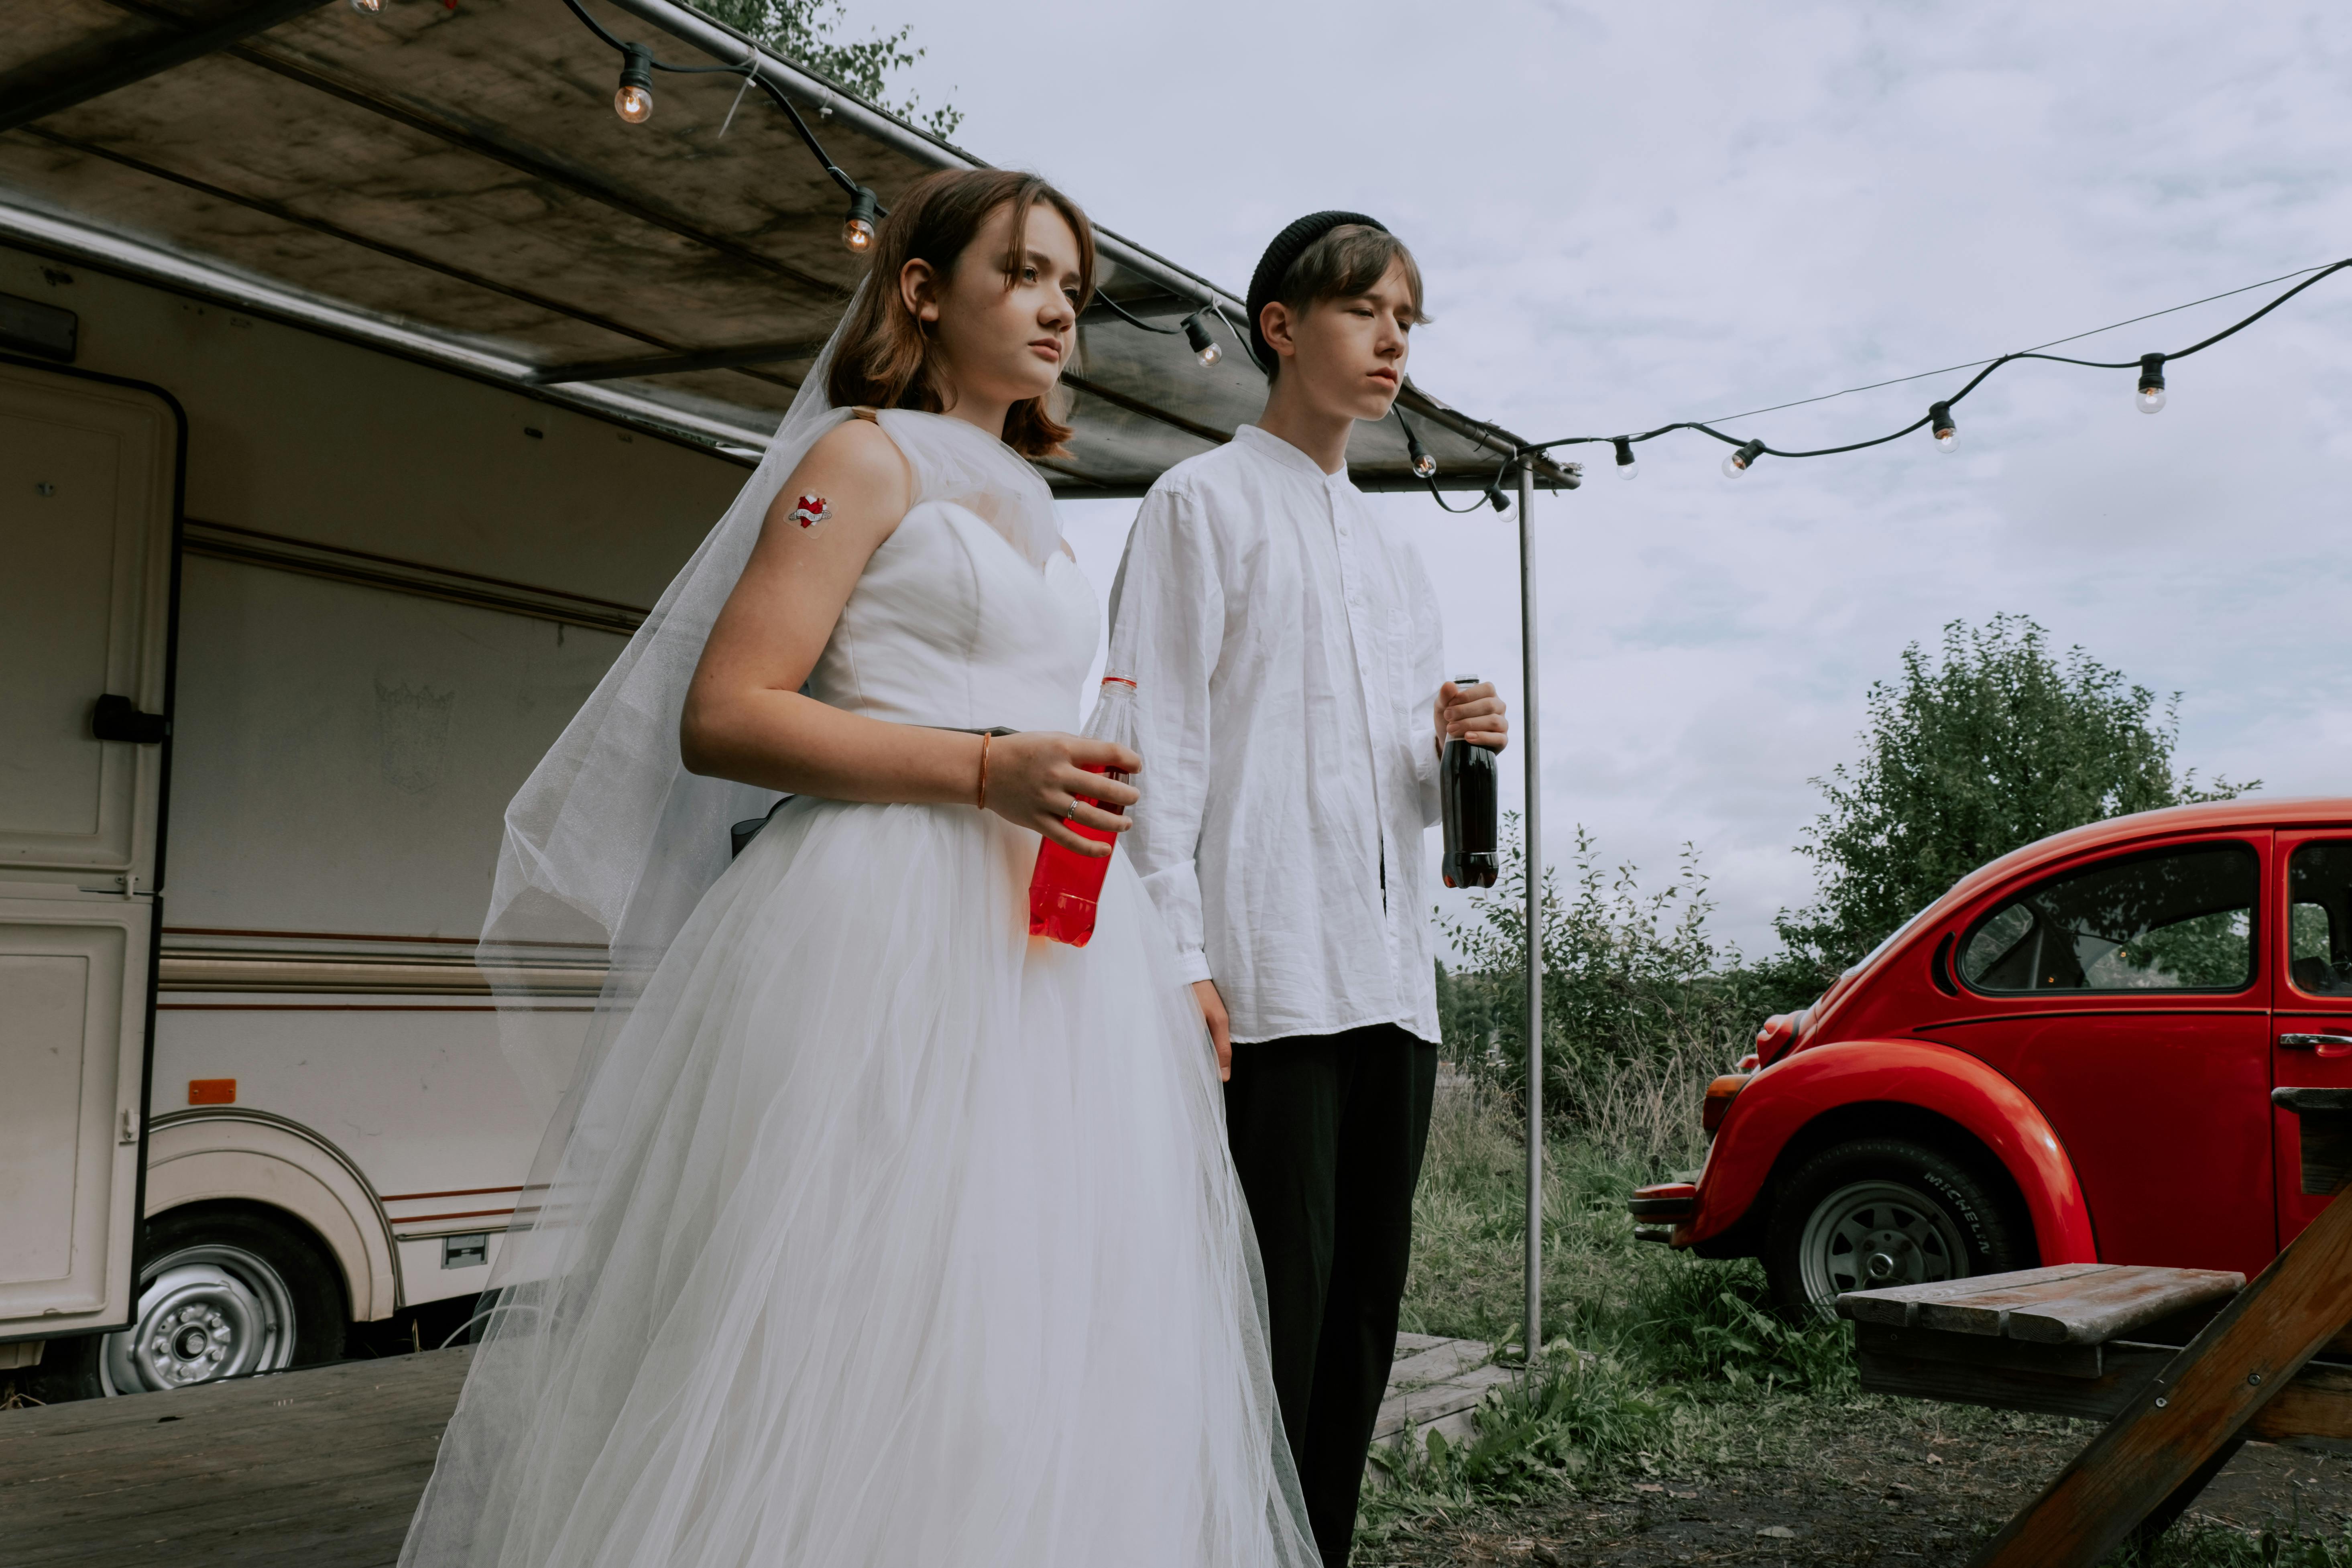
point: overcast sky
(1693, 209)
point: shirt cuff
(1192, 966)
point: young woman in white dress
(870, 1230)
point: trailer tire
(227, 1290)
(1876, 1212)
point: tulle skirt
(887, 1236)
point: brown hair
(885, 359)
(1349, 260)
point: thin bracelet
(980, 800)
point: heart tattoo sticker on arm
(810, 511)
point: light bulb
(633, 100)
(2150, 399)
(1204, 347)
(1740, 461)
(1423, 465)
(857, 229)
(2151, 384)
(367, 8)
(1627, 467)
(1943, 427)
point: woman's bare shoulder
(859, 449)
(852, 466)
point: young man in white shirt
(1291, 694)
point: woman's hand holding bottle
(1042, 780)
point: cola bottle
(1465, 779)
(1067, 885)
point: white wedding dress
(914, 1240)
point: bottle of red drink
(1065, 887)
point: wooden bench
(2184, 1364)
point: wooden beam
(2199, 1404)
(72, 87)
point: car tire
(1879, 1212)
(227, 1291)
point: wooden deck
(321, 1468)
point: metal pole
(1533, 848)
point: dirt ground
(1900, 1483)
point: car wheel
(225, 1293)
(1879, 1212)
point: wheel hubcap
(205, 1313)
(1874, 1235)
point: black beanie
(1265, 283)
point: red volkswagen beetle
(2067, 1057)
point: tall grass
(1645, 1353)
(1641, 1003)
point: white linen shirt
(1287, 653)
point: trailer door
(88, 488)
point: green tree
(804, 31)
(2000, 742)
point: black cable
(1988, 368)
(840, 176)
(598, 28)
(1133, 320)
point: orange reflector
(1720, 1093)
(211, 1091)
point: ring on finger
(1071, 816)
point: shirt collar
(1282, 452)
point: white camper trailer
(423, 577)
(363, 380)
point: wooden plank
(2171, 1428)
(2087, 1311)
(2314, 1410)
(1447, 1358)
(2127, 1369)
(1978, 1350)
(317, 1468)
(1422, 1407)
(1898, 1306)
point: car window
(2319, 918)
(2180, 920)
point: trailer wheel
(1879, 1212)
(228, 1290)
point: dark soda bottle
(1465, 778)
(1067, 885)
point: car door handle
(2325, 1045)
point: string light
(1204, 348)
(1627, 467)
(1940, 422)
(633, 100)
(857, 229)
(1194, 327)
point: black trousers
(1328, 1132)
